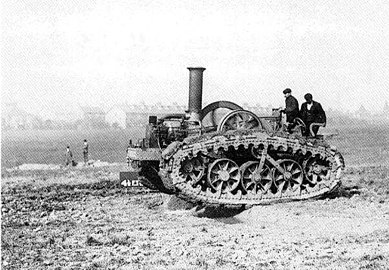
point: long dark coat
(315, 115)
(291, 108)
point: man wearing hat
(291, 108)
(312, 112)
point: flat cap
(287, 90)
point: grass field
(361, 145)
(48, 146)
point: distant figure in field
(69, 157)
(291, 109)
(85, 151)
(312, 112)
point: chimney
(195, 92)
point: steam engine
(224, 155)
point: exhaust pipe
(195, 92)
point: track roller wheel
(254, 178)
(315, 170)
(290, 178)
(223, 175)
(192, 170)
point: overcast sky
(59, 54)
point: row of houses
(13, 117)
(131, 115)
(118, 116)
(363, 116)
(125, 116)
(136, 115)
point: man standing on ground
(312, 112)
(68, 157)
(85, 151)
(291, 108)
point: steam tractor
(224, 155)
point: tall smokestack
(195, 92)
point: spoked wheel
(254, 178)
(214, 112)
(291, 178)
(192, 170)
(315, 170)
(239, 120)
(223, 175)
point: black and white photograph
(194, 134)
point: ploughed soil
(84, 219)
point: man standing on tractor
(291, 109)
(312, 112)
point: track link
(199, 190)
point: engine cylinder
(195, 92)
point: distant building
(117, 116)
(373, 118)
(126, 116)
(93, 117)
(13, 117)
(361, 113)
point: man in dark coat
(291, 108)
(312, 112)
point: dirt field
(82, 219)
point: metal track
(208, 145)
